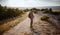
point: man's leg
(31, 23)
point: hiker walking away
(31, 16)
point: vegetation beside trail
(10, 13)
(44, 18)
(9, 17)
(35, 10)
(50, 10)
(11, 23)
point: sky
(29, 3)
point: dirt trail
(21, 28)
(39, 28)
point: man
(31, 16)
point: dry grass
(56, 10)
(11, 23)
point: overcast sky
(30, 3)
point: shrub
(55, 13)
(6, 13)
(50, 9)
(47, 10)
(44, 18)
(34, 10)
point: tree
(50, 9)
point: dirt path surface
(39, 28)
(22, 28)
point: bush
(6, 13)
(47, 10)
(44, 18)
(55, 13)
(34, 10)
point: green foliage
(46, 10)
(44, 18)
(6, 13)
(26, 10)
(34, 10)
(50, 11)
(55, 13)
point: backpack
(31, 15)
